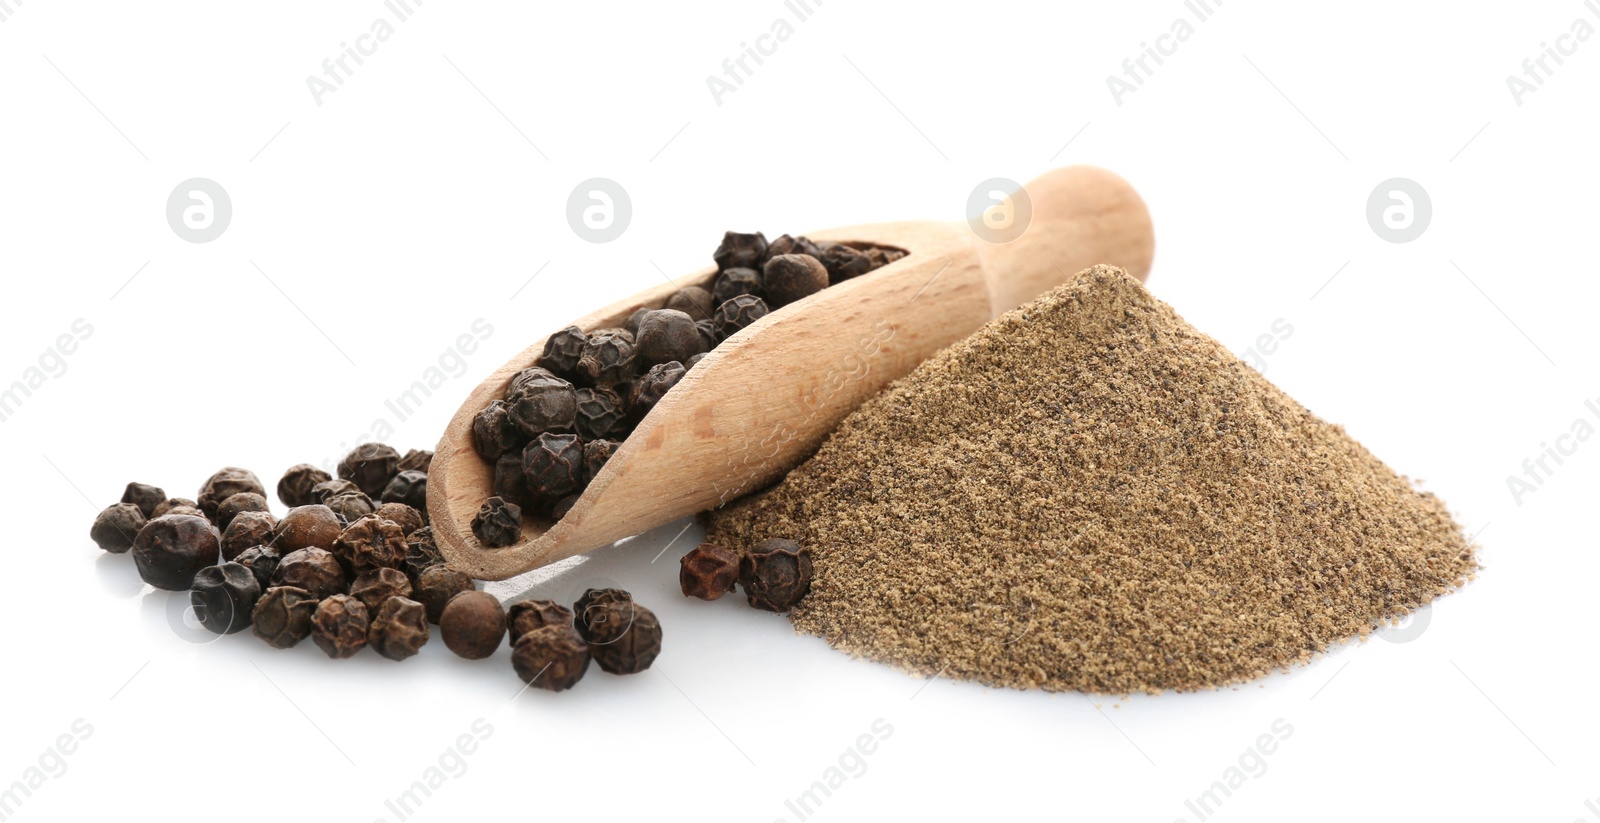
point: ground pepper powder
(1089, 494)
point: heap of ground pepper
(1089, 494)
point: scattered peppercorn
(421, 552)
(776, 574)
(307, 526)
(844, 262)
(497, 524)
(708, 339)
(224, 596)
(368, 543)
(510, 483)
(737, 313)
(635, 647)
(170, 549)
(294, 489)
(527, 615)
(400, 628)
(600, 413)
(312, 569)
(409, 488)
(493, 433)
(333, 488)
(171, 504)
(593, 619)
(541, 403)
(562, 350)
(608, 358)
(733, 282)
(282, 617)
(595, 455)
(693, 301)
(552, 658)
(351, 506)
(653, 386)
(416, 460)
(248, 529)
(262, 561)
(740, 250)
(786, 244)
(402, 515)
(436, 585)
(553, 465)
(225, 484)
(564, 505)
(472, 624)
(694, 361)
(370, 466)
(374, 586)
(666, 335)
(339, 626)
(146, 497)
(237, 504)
(116, 526)
(708, 571)
(631, 325)
(788, 278)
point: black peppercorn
(708, 571)
(691, 300)
(734, 282)
(564, 505)
(791, 277)
(635, 647)
(238, 503)
(562, 350)
(553, 465)
(262, 561)
(225, 484)
(436, 585)
(510, 484)
(493, 433)
(737, 313)
(542, 404)
(116, 526)
(416, 460)
(653, 386)
(339, 626)
(631, 325)
(740, 250)
(370, 466)
(552, 658)
(473, 624)
(248, 529)
(147, 498)
(224, 596)
(172, 504)
(282, 617)
(307, 526)
(666, 335)
(786, 244)
(351, 506)
(595, 455)
(407, 518)
(527, 615)
(400, 628)
(592, 618)
(776, 574)
(600, 413)
(607, 359)
(170, 549)
(295, 487)
(369, 543)
(374, 586)
(421, 552)
(327, 489)
(694, 361)
(708, 339)
(409, 488)
(312, 569)
(844, 262)
(497, 524)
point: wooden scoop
(764, 399)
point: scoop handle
(1037, 238)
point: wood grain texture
(764, 399)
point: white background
(371, 231)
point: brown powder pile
(1089, 494)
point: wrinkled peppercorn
(666, 335)
(436, 585)
(608, 358)
(339, 626)
(421, 552)
(510, 484)
(248, 529)
(315, 570)
(844, 262)
(734, 282)
(374, 586)
(294, 489)
(146, 497)
(307, 526)
(170, 549)
(562, 350)
(786, 244)
(351, 506)
(224, 596)
(116, 526)
(542, 404)
(653, 386)
(595, 455)
(631, 325)
(237, 504)
(738, 313)
(591, 617)
(552, 658)
(553, 464)
(409, 488)
(225, 484)
(527, 615)
(708, 571)
(173, 503)
(262, 561)
(369, 543)
(633, 649)
(333, 488)
(708, 340)
(370, 466)
(791, 277)
(493, 433)
(282, 616)
(693, 301)
(472, 624)
(400, 628)
(600, 413)
(776, 574)
(416, 460)
(564, 505)
(740, 250)
(406, 517)
(497, 524)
